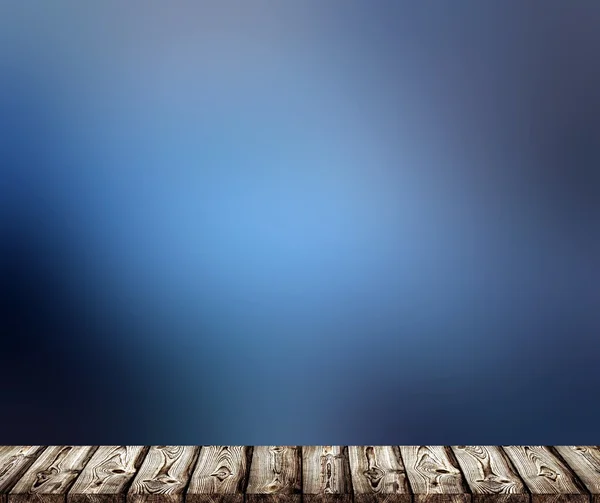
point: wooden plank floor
(297, 474)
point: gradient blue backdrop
(300, 222)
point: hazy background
(300, 222)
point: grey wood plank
(275, 475)
(378, 474)
(51, 475)
(163, 475)
(326, 474)
(220, 475)
(107, 474)
(584, 460)
(14, 462)
(490, 475)
(547, 477)
(434, 475)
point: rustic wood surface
(300, 474)
(107, 474)
(490, 475)
(546, 476)
(433, 475)
(14, 462)
(326, 474)
(220, 475)
(163, 475)
(51, 475)
(275, 475)
(378, 475)
(585, 462)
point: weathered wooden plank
(584, 460)
(163, 475)
(107, 474)
(15, 460)
(220, 475)
(275, 475)
(51, 475)
(546, 476)
(326, 474)
(490, 475)
(378, 475)
(433, 474)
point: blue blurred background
(300, 222)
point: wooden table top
(296, 474)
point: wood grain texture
(220, 475)
(15, 460)
(490, 475)
(434, 475)
(584, 460)
(163, 475)
(326, 474)
(51, 475)
(275, 475)
(547, 477)
(107, 474)
(378, 474)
